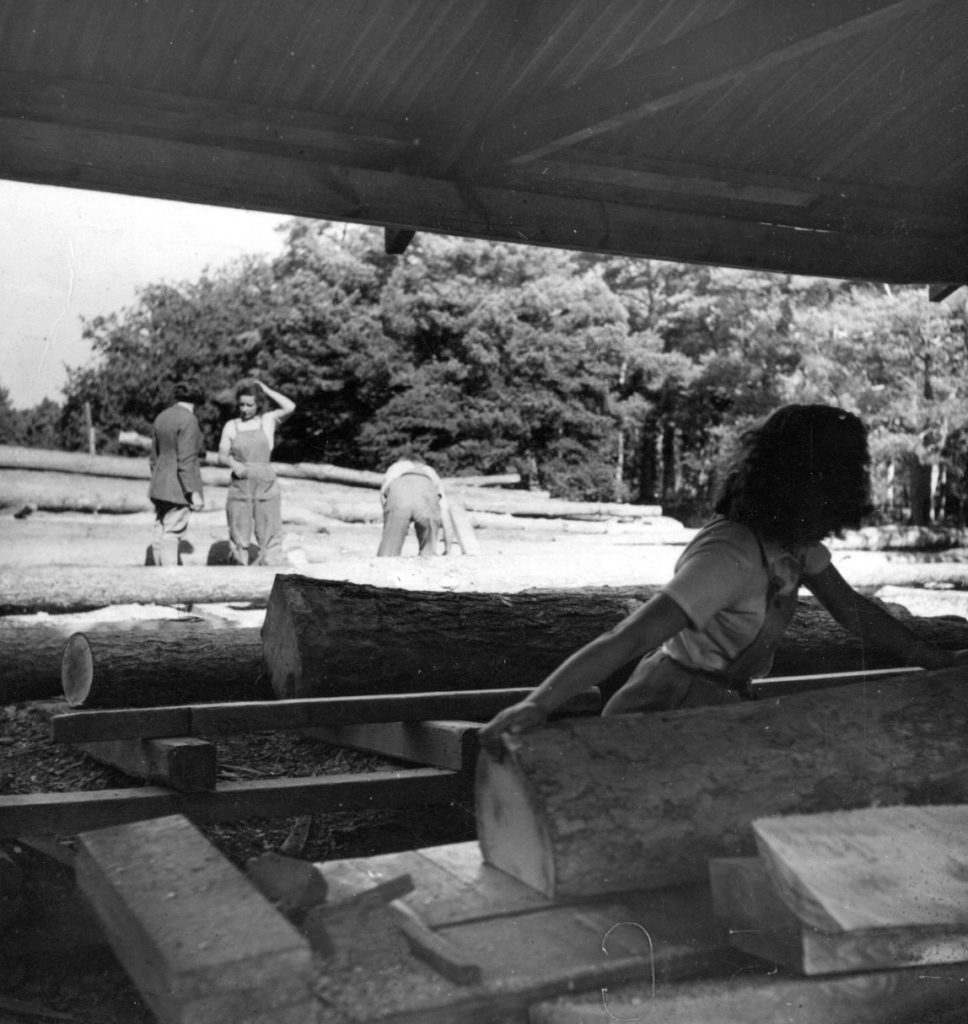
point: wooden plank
(760, 923)
(198, 940)
(450, 745)
(781, 686)
(877, 867)
(881, 997)
(463, 527)
(69, 813)
(253, 716)
(184, 763)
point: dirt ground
(54, 963)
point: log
(32, 656)
(110, 670)
(39, 588)
(322, 638)
(588, 806)
(326, 637)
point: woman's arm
(224, 447)
(286, 406)
(875, 626)
(637, 634)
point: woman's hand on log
(521, 717)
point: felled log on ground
(80, 588)
(323, 637)
(31, 657)
(172, 667)
(598, 805)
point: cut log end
(512, 834)
(77, 670)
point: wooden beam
(261, 716)
(442, 744)
(63, 814)
(54, 154)
(758, 36)
(939, 292)
(204, 121)
(196, 937)
(183, 763)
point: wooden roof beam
(197, 119)
(137, 165)
(759, 35)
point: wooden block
(184, 763)
(199, 941)
(759, 922)
(878, 867)
(61, 814)
(881, 997)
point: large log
(324, 637)
(598, 805)
(111, 670)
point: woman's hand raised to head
(521, 717)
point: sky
(67, 253)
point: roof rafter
(761, 34)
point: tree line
(596, 377)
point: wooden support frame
(252, 716)
(183, 763)
(60, 814)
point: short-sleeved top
(266, 422)
(404, 466)
(720, 582)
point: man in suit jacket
(176, 477)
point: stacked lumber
(850, 891)
(597, 805)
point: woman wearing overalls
(254, 501)
(800, 476)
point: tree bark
(114, 670)
(589, 806)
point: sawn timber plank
(69, 813)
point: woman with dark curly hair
(798, 477)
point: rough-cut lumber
(147, 669)
(184, 763)
(880, 997)
(594, 805)
(760, 923)
(323, 637)
(261, 716)
(81, 588)
(199, 941)
(871, 868)
(463, 528)
(64, 814)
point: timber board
(760, 923)
(527, 946)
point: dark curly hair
(800, 475)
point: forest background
(595, 377)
